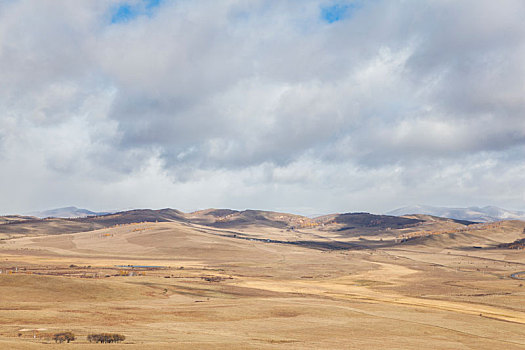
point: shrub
(64, 336)
(105, 338)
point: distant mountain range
(71, 220)
(477, 214)
(332, 231)
(67, 212)
(485, 214)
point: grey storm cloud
(262, 104)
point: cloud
(314, 105)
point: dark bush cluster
(106, 338)
(517, 244)
(64, 336)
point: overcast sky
(300, 106)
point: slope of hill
(364, 224)
(136, 215)
(14, 218)
(485, 214)
(37, 226)
(228, 218)
(434, 219)
(501, 234)
(364, 220)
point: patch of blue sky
(126, 12)
(152, 3)
(123, 13)
(338, 12)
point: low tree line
(106, 338)
(93, 338)
(63, 337)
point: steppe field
(246, 280)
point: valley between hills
(226, 279)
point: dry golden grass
(218, 292)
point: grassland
(181, 285)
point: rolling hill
(225, 278)
(334, 231)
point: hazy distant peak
(66, 212)
(484, 214)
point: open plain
(247, 280)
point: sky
(309, 107)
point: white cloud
(262, 104)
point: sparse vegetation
(106, 338)
(517, 244)
(63, 337)
(289, 282)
